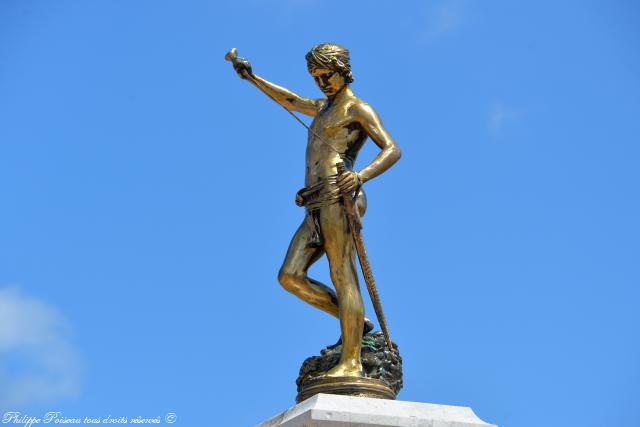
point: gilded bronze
(355, 226)
(350, 386)
(383, 369)
(341, 124)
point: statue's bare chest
(335, 126)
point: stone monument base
(327, 410)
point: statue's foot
(346, 370)
(366, 328)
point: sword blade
(371, 286)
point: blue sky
(147, 203)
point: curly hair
(332, 57)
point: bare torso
(341, 138)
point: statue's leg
(293, 273)
(338, 243)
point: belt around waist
(323, 193)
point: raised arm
(290, 100)
(283, 96)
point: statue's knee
(289, 280)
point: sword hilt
(232, 56)
(349, 203)
(341, 169)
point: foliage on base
(377, 362)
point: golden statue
(332, 196)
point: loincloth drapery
(323, 193)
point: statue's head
(328, 63)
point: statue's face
(329, 82)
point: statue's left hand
(348, 182)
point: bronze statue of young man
(341, 124)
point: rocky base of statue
(382, 372)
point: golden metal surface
(355, 225)
(350, 386)
(341, 124)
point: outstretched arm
(283, 96)
(290, 100)
(389, 154)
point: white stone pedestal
(329, 410)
